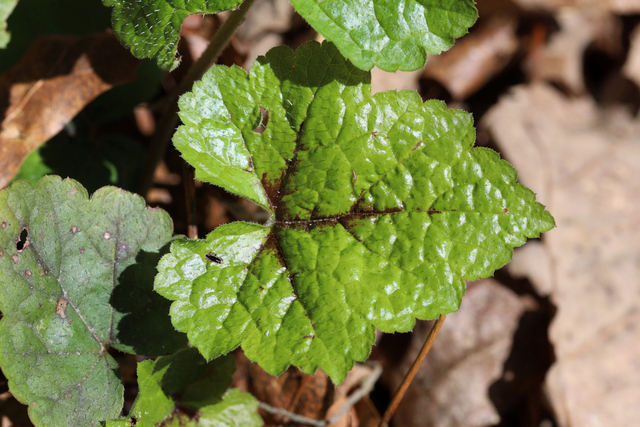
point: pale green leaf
(76, 279)
(391, 34)
(151, 28)
(6, 7)
(380, 210)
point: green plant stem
(391, 409)
(169, 119)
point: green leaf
(76, 279)
(380, 209)
(185, 381)
(6, 7)
(391, 34)
(151, 28)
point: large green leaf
(391, 34)
(76, 277)
(151, 28)
(6, 7)
(185, 381)
(380, 209)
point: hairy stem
(169, 120)
(391, 409)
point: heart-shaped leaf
(380, 209)
(151, 28)
(391, 34)
(76, 277)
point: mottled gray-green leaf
(76, 279)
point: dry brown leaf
(312, 396)
(362, 416)
(476, 58)
(451, 388)
(614, 6)
(400, 80)
(631, 68)
(57, 77)
(368, 415)
(294, 391)
(561, 60)
(583, 163)
(263, 28)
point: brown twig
(391, 409)
(188, 175)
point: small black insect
(214, 258)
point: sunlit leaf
(380, 210)
(391, 34)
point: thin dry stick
(169, 120)
(300, 419)
(190, 199)
(365, 388)
(391, 409)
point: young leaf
(391, 34)
(380, 209)
(76, 279)
(151, 28)
(185, 381)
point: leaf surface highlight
(380, 210)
